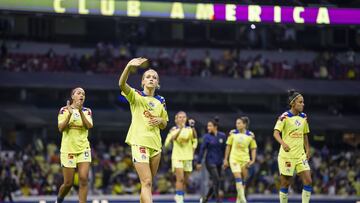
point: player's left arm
(162, 120)
(306, 138)
(253, 147)
(307, 146)
(194, 134)
(86, 119)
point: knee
(180, 179)
(68, 183)
(146, 182)
(285, 184)
(83, 181)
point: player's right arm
(125, 74)
(173, 133)
(64, 116)
(279, 126)
(229, 143)
(277, 137)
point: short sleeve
(88, 115)
(63, 114)
(131, 96)
(230, 139)
(306, 127)
(253, 144)
(280, 124)
(164, 113)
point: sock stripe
(180, 192)
(238, 180)
(284, 190)
(307, 188)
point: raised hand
(136, 62)
(78, 105)
(192, 123)
(68, 106)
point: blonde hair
(143, 76)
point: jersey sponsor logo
(148, 114)
(142, 150)
(296, 134)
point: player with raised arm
(149, 116)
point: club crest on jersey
(76, 115)
(151, 104)
(297, 123)
(221, 140)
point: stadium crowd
(109, 60)
(35, 170)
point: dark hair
(292, 94)
(215, 121)
(245, 120)
(72, 93)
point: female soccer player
(184, 139)
(238, 144)
(291, 131)
(149, 115)
(214, 142)
(74, 122)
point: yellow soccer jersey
(292, 128)
(240, 145)
(142, 108)
(184, 145)
(75, 135)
